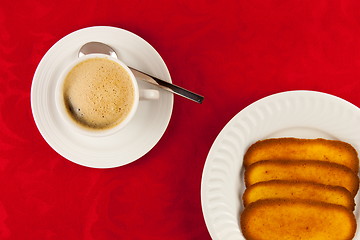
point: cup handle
(149, 94)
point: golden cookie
(297, 219)
(303, 149)
(310, 171)
(298, 190)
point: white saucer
(302, 114)
(131, 143)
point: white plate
(304, 114)
(131, 143)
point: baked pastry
(297, 219)
(310, 171)
(298, 190)
(303, 149)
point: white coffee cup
(101, 93)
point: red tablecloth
(232, 52)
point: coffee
(98, 93)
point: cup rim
(59, 101)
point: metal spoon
(98, 47)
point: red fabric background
(232, 52)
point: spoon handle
(167, 86)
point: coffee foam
(98, 93)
